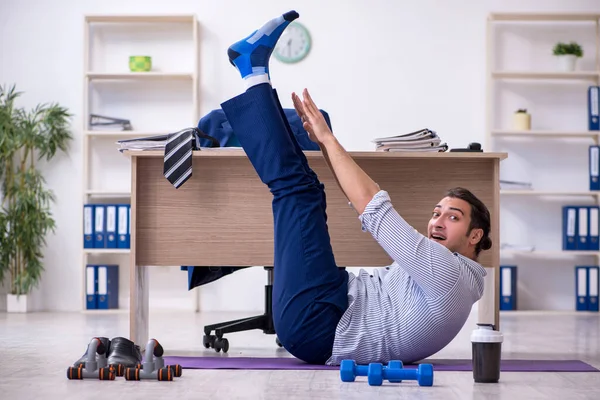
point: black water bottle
(486, 348)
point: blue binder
(88, 226)
(570, 228)
(123, 226)
(594, 222)
(593, 115)
(581, 288)
(99, 226)
(108, 286)
(91, 287)
(111, 226)
(593, 287)
(594, 167)
(583, 228)
(508, 287)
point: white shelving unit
(156, 102)
(551, 27)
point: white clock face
(294, 44)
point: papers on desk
(421, 140)
(157, 142)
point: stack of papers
(157, 142)
(421, 140)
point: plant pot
(567, 62)
(521, 121)
(18, 304)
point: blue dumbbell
(394, 372)
(423, 375)
(349, 370)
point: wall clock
(294, 44)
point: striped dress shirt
(412, 308)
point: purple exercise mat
(290, 363)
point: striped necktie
(178, 156)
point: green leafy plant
(25, 217)
(572, 48)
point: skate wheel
(106, 374)
(278, 342)
(74, 373)
(176, 370)
(165, 374)
(118, 369)
(132, 374)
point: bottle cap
(486, 334)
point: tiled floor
(36, 349)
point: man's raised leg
(309, 290)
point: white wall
(378, 67)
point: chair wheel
(106, 374)
(132, 374)
(221, 344)
(176, 370)
(165, 374)
(74, 373)
(208, 341)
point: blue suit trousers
(310, 292)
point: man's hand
(357, 186)
(312, 120)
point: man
(323, 314)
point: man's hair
(480, 216)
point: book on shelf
(421, 140)
(517, 247)
(515, 185)
(104, 123)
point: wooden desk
(222, 216)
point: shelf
(139, 75)
(108, 40)
(132, 134)
(550, 253)
(529, 16)
(548, 134)
(548, 193)
(103, 193)
(108, 311)
(106, 251)
(141, 18)
(575, 75)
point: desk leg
(138, 305)
(486, 307)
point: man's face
(449, 226)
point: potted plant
(521, 120)
(25, 218)
(567, 54)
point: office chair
(263, 322)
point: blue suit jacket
(215, 124)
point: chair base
(263, 322)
